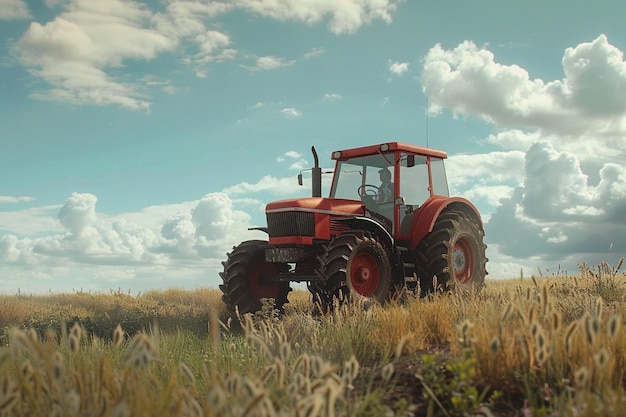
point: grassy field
(540, 346)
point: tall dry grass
(540, 346)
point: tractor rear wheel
(243, 286)
(356, 266)
(453, 253)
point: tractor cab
(410, 173)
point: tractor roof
(387, 147)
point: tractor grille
(291, 223)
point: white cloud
(170, 89)
(398, 68)
(187, 237)
(558, 212)
(485, 179)
(514, 139)
(493, 167)
(297, 165)
(14, 10)
(313, 53)
(268, 63)
(73, 52)
(331, 97)
(491, 194)
(7, 199)
(82, 53)
(345, 16)
(595, 80)
(289, 154)
(293, 154)
(209, 43)
(276, 186)
(291, 112)
(559, 188)
(30, 221)
(584, 107)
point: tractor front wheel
(452, 255)
(356, 265)
(244, 286)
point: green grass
(540, 346)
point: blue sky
(139, 140)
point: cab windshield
(370, 179)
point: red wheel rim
(364, 274)
(462, 261)
(258, 288)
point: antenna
(427, 106)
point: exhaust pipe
(316, 176)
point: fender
(429, 212)
(365, 223)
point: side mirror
(300, 178)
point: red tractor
(389, 225)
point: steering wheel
(368, 191)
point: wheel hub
(458, 260)
(364, 274)
(462, 261)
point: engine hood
(332, 206)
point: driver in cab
(385, 191)
(381, 201)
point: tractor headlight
(336, 155)
(384, 147)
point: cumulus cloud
(269, 183)
(398, 68)
(557, 191)
(295, 158)
(30, 221)
(331, 97)
(486, 178)
(313, 53)
(81, 52)
(73, 52)
(585, 106)
(14, 10)
(557, 212)
(291, 112)
(7, 199)
(345, 16)
(493, 167)
(270, 62)
(189, 236)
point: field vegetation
(551, 345)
